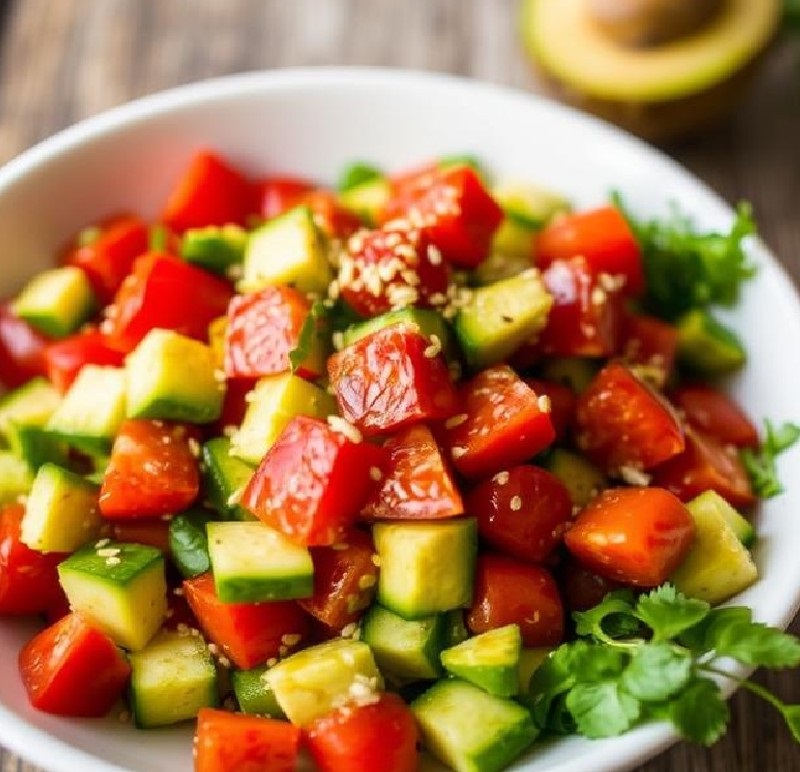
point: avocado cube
(225, 477)
(120, 588)
(254, 694)
(16, 477)
(173, 377)
(30, 405)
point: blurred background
(715, 82)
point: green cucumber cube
(188, 542)
(707, 346)
(16, 477)
(428, 322)
(29, 405)
(504, 264)
(582, 479)
(214, 248)
(224, 478)
(254, 694)
(36, 446)
(367, 198)
(739, 525)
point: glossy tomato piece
(64, 359)
(164, 291)
(623, 423)
(603, 237)
(345, 576)
(522, 511)
(210, 192)
(153, 531)
(417, 484)
(379, 735)
(563, 402)
(508, 591)
(152, 471)
(715, 414)
(248, 633)
(582, 588)
(277, 195)
(635, 536)
(21, 350)
(330, 217)
(234, 405)
(651, 343)
(234, 742)
(72, 669)
(504, 422)
(312, 482)
(391, 379)
(409, 181)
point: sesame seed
(213, 649)
(229, 431)
(516, 503)
(367, 581)
(501, 478)
(194, 447)
(375, 473)
(455, 420)
(458, 452)
(634, 476)
(235, 497)
(108, 552)
(598, 296)
(342, 426)
(348, 630)
(544, 403)
(291, 639)
(113, 561)
(102, 543)
(178, 591)
(434, 255)
(225, 662)
(376, 559)
(338, 340)
(272, 661)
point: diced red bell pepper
(585, 319)
(108, 258)
(622, 422)
(380, 735)
(345, 576)
(650, 342)
(581, 588)
(210, 192)
(277, 195)
(247, 633)
(21, 350)
(152, 532)
(603, 237)
(418, 484)
(312, 482)
(64, 359)
(506, 423)
(72, 669)
(563, 402)
(164, 291)
(715, 413)
(635, 536)
(28, 579)
(152, 471)
(391, 379)
(522, 511)
(234, 742)
(508, 591)
(706, 464)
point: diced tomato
(650, 342)
(603, 237)
(234, 405)
(28, 579)
(164, 291)
(378, 736)
(108, 258)
(248, 633)
(715, 413)
(409, 181)
(179, 613)
(152, 471)
(505, 424)
(277, 195)
(417, 484)
(388, 380)
(635, 536)
(234, 742)
(210, 192)
(312, 482)
(64, 359)
(581, 588)
(522, 511)
(333, 219)
(71, 669)
(508, 591)
(562, 404)
(57, 609)
(153, 532)
(585, 319)
(344, 580)
(622, 422)
(706, 464)
(21, 350)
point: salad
(423, 460)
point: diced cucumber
(214, 248)
(173, 377)
(428, 322)
(16, 477)
(57, 301)
(312, 682)
(426, 567)
(252, 563)
(188, 542)
(527, 203)
(171, 679)
(489, 660)
(254, 694)
(29, 405)
(92, 410)
(741, 527)
(405, 650)
(502, 316)
(581, 478)
(500, 265)
(62, 513)
(357, 173)
(225, 478)
(455, 630)
(706, 346)
(529, 662)
(470, 730)
(287, 250)
(367, 199)
(274, 401)
(36, 446)
(717, 565)
(575, 372)
(120, 588)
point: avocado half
(659, 93)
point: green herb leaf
(757, 644)
(552, 678)
(619, 603)
(602, 709)
(310, 330)
(656, 672)
(591, 662)
(701, 638)
(791, 714)
(668, 613)
(760, 464)
(699, 713)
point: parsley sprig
(760, 464)
(656, 657)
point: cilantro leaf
(552, 678)
(755, 644)
(602, 709)
(309, 330)
(590, 662)
(701, 637)
(791, 714)
(760, 464)
(699, 713)
(668, 613)
(617, 606)
(656, 672)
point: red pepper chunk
(21, 350)
(152, 471)
(504, 423)
(716, 414)
(66, 358)
(247, 633)
(312, 482)
(418, 484)
(391, 379)
(650, 342)
(72, 669)
(623, 423)
(636, 536)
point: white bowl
(311, 122)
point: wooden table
(64, 60)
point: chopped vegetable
(760, 464)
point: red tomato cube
(716, 414)
(330, 217)
(563, 402)
(64, 359)
(21, 350)
(582, 588)
(277, 195)
(650, 342)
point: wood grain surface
(63, 60)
